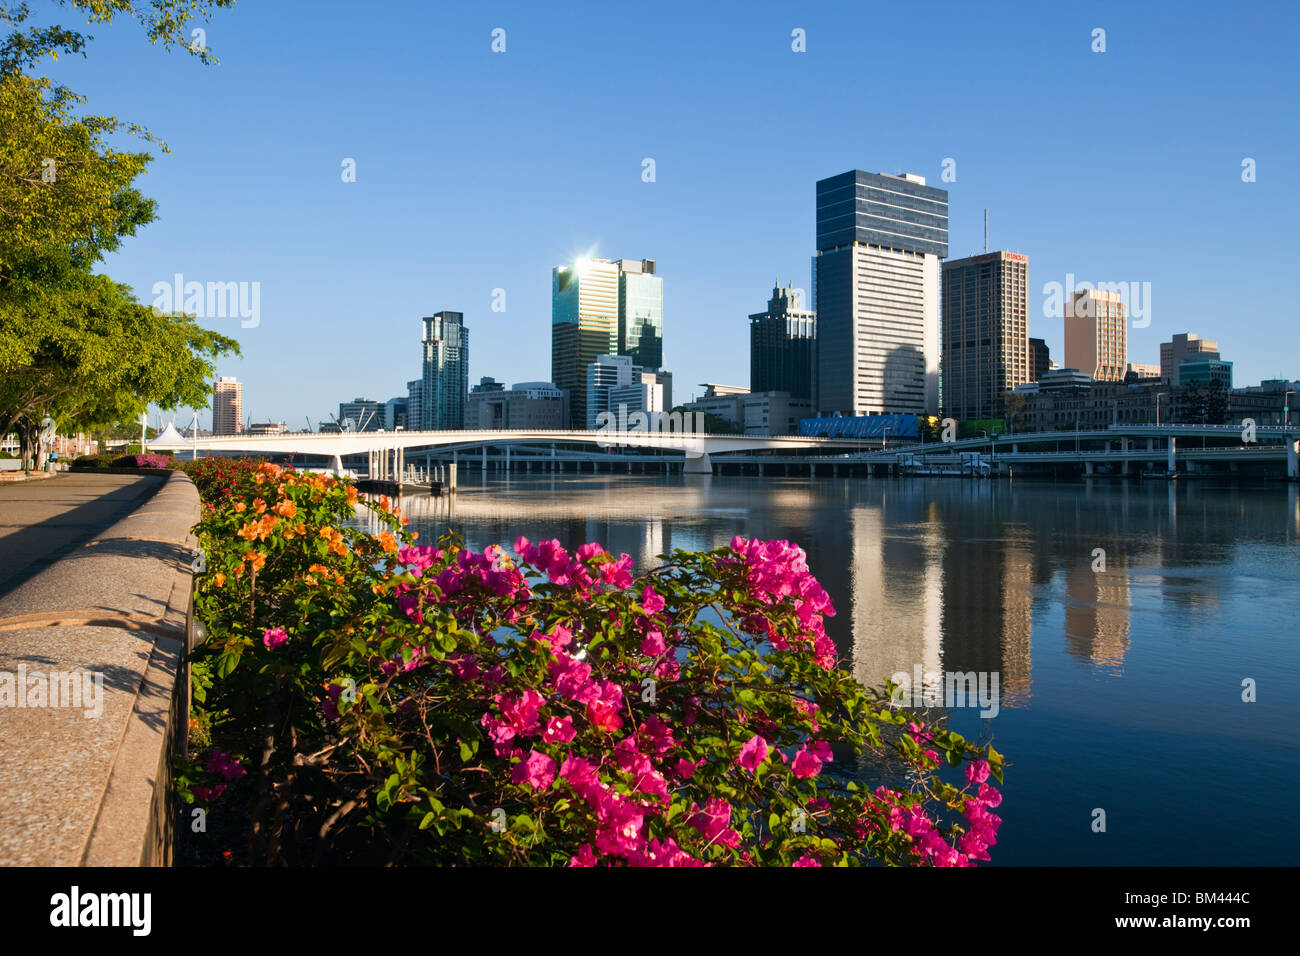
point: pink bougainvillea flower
(585, 856)
(753, 753)
(653, 645)
(273, 637)
(559, 730)
(806, 764)
(537, 770)
(651, 601)
(806, 860)
(977, 771)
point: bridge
(1119, 447)
(386, 451)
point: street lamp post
(1286, 407)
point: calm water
(1121, 690)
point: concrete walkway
(94, 604)
(41, 520)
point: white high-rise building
(879, 242)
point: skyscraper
(1040, 359)
(640, 312)
(446, 372)
(985, 332)
(584, 326)
(1184, 346)
(415, 405)
(227, 406)
(879, 242)
(782, 345)
(1096, 339)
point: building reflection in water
(938, 574)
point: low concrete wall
(77, 789)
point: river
(1125, 623)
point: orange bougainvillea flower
(255, 559)
(387, 541)
(249, 531)
(415, 535)
(259, 505)
(239, 568)
(239, 507)
(352, 494)
(326, 531)
(405, 521)
(383, 503)
(219, 579)
(318, 569)
(286, 509)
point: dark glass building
(782, 346)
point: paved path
(94, 601)
(43, 520)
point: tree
(75, 346)
(165, 21)
(1013, 404)
(93, 355)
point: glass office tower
(640, 313)
(584, 326)
(446, 372)
(879, 242)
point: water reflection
(947, 576)
(1115, 678)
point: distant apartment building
(1040, 359)
(985, 332)
(524, 405)
(268, 428)
(614, 383)
(445, 381)
(1137, 370)
(415, 405)
(365, 415)
(879, 242)
(753, 413)
(1096, 339)
(1184, 346)
(227, 406)
(783, 346)
(395, 414)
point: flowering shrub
(371, 699)
(223, 479)
(146, 461)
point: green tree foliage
(165, 21)
(74, 346)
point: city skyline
(344, 266)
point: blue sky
(478, 170)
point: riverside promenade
(94, 615)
